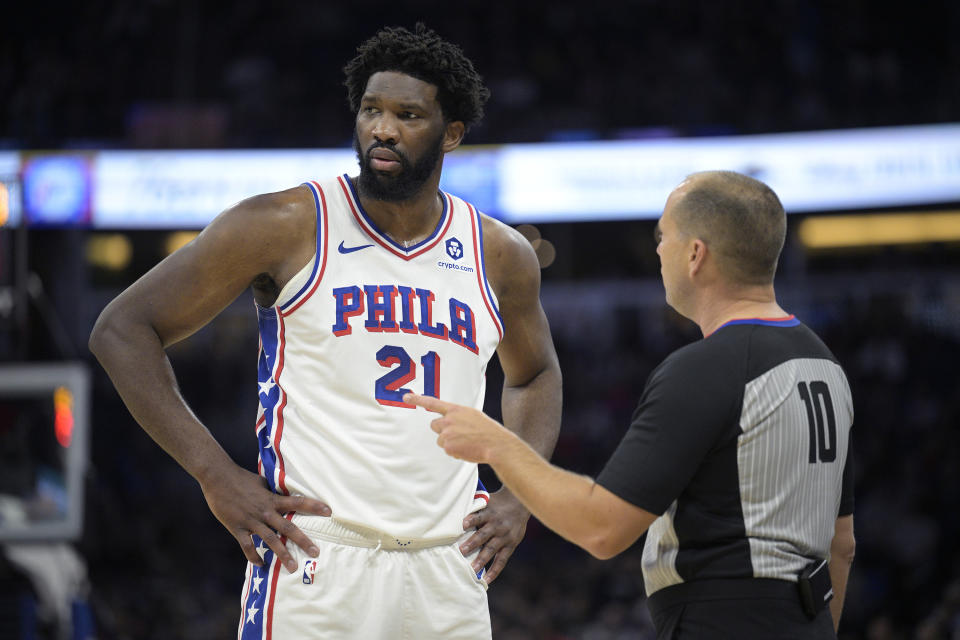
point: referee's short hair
(740, 219)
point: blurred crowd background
(180, 74)
(249, 73)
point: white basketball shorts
(364, 586)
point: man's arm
(532, 393)
(169, 303)
(573, 505)
(842, 550)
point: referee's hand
(469, 434)
(463, 432)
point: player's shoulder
(279, 212)
(504, 245)
(270, 229)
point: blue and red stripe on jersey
(270, 362)
(272, 397)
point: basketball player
(366, 287)
(735, 464)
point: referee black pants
(746, 609)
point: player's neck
(407, 221)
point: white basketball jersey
(366, 321)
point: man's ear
(453, 135)
(697, 256)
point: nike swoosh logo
(343, 249)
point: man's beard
(407, 182)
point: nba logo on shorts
(309, 569)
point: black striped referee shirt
(740, 443)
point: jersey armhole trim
(320, 255)
(489, 300)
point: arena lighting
(546, 252)
(861, 230)
(110, 251)
(63, 416)
(178, 239)
(10, 166)
(4, 204)
(530, 232)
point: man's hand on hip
(243, 504)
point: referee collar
(786, 321)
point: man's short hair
(424, 55)
(740, 218)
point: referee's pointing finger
(429, 403)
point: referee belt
(722, 589)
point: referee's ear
(697, 259)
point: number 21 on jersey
(388, 388)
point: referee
(736, 460)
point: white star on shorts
(265, 387)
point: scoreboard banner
(842, 170)
(814, 171)
(182, 189)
